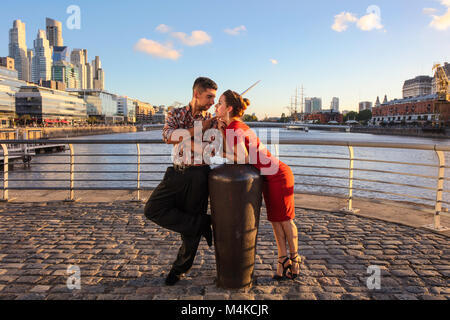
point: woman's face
(222, 109)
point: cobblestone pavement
(121, 255)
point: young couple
(180, 202)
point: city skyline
(353, 50)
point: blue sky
(357, 57)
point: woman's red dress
(278, 187)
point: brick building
(425, 110)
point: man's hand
(207, 124)
(222, 125)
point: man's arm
(170, 126)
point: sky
(153, 50)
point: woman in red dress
(278, 189)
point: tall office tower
(89, 76)
(30, 55)
(18, 50)
(79, 59)
(365, 105)
(335, 104)
(316, 105)
(61, 54)
(66, 72)
(54, 33)
(98, 74)
(42, 60)
(308, 105)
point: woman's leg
(291, 232)
(281, 244)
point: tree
(249, 118)
(365, 115)
(352, 115)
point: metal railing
(438, 190)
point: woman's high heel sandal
(285, 269)
(295, 260)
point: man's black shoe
(172, 278)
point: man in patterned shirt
(180, 202)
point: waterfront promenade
(122, 255)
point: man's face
(206, 98)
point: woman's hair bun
(247, 102)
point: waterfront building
(159, 116)
(9, 86)
(324, 117)
(377, 103)
(54, 32)
(18, 50)
(422, 110)
(7, 62)
(61, 54)
(365, 105)
(100, 104)
(419, 86)
(7, 102)
(126, 107)
(335, 104)
(67, 73)
(57, 85)
(48, 104)
(144, 112)
(42, 60)
(10, 78)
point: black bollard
(236, 196)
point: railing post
(72, 174)
(138, 172)
(440, 188)
(350, 208)
(5, 173)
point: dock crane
(442, 83)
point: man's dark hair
(203, 84)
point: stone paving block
(130, 262)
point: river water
(304, 183)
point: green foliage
(249, 118)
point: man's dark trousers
(180, 204)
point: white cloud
(197, 38)
(156, 49)
(236, 31)
(429, 11)
(342, 20)
(163, 28)
(274, 61)
(369, 22)
(439, 22)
